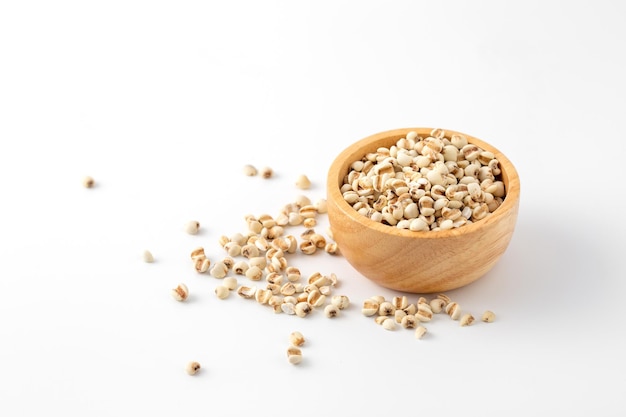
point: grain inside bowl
(430, 258)
(427, 182)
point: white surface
(164, 102)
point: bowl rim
(335, 177)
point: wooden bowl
(419, 262)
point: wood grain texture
(419, 262)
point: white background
(163, 102)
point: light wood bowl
(419, 262)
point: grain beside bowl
(423, 261)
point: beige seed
(306, 235)
(228, 261)
(437, 305)
(249, 250)
(88, 182)
(192, 368)
(316, 299)
(262, 244)
(281, 244)
(273, 252)
(331, 248)
(288, 288)
(180, 293)
(488, 316)
(322, 206)
(470, 152)
(418, 225)
(230, 283)
(437, 133)
(270, 268)
(290, 208)
(445, 298)
(466, 320)
(307, 247)
(317, 279)
(420, 331)
(308, 211)
(334, 280)
(380, 319)
(386, 308)
(301, 297)
(275, 300)
(453, 310)
(309, 223)
(219, 270)
(266, 172)
(246, 292)
(422, 300)
(255, 226)
(326, 290)
(273, 232)
(222, 292)
(446, 225)
(411, 136)
(409, 321)
(331, 311)
(293, 273)
(282, 219)
(274, 288)
(202, 265)
(262, 296)
(147, 256)
(424, 313)
(411, 309)
(295, 219)
(340, 301)
(303, 182)
(192, 227)
(389, 324)
(279, 263)
(260, 261)
(302, 200)
(290, 299)
(307, 288)
(223, 240)
(296, 338)
(303, 309)
(370, 307)
(197, 253)
(288, 308)
(274, 278)
(233, 248)
(318, 240)
(249, 170)
(299, 287)
(400, 302)
(458, 140)
(294, 355)
(267, 221)
(293, 243)
(240, 267)
(399, 315)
